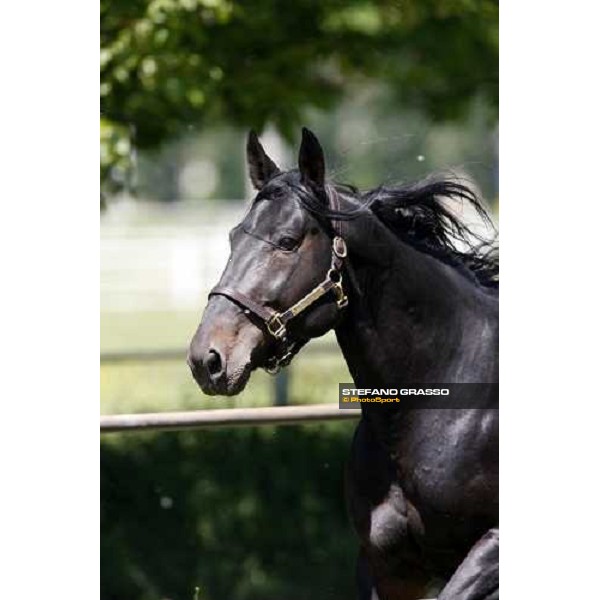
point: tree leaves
(168, 64)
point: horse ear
(261, 167)
(311, 160)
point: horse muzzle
(222, 353)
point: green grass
(147, 330)
(156, 386)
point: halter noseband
(276, 322)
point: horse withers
(412, 294)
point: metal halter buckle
(276, 327)
(335, 277)
(273, 367)
(339, 247)
(340, 297)
(276, 363)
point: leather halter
(276, 322)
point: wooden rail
(227, 417)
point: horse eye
(287, 243)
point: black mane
(422, 215)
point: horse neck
(413, 319)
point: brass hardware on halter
(340, 298)
(276, 363)
(338, 290)
(274, 366)
(276, 326)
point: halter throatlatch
(276, 322)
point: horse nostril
(213, 362)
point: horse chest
(423, 497)
(381, 513)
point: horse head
(282, 283)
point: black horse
(413, 299)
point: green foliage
(168, 64)
(241, 514)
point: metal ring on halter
(276, 326)
(274, 366)
(339, 247)
(334, 276)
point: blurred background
(394, 90)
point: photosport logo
(443, 395)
